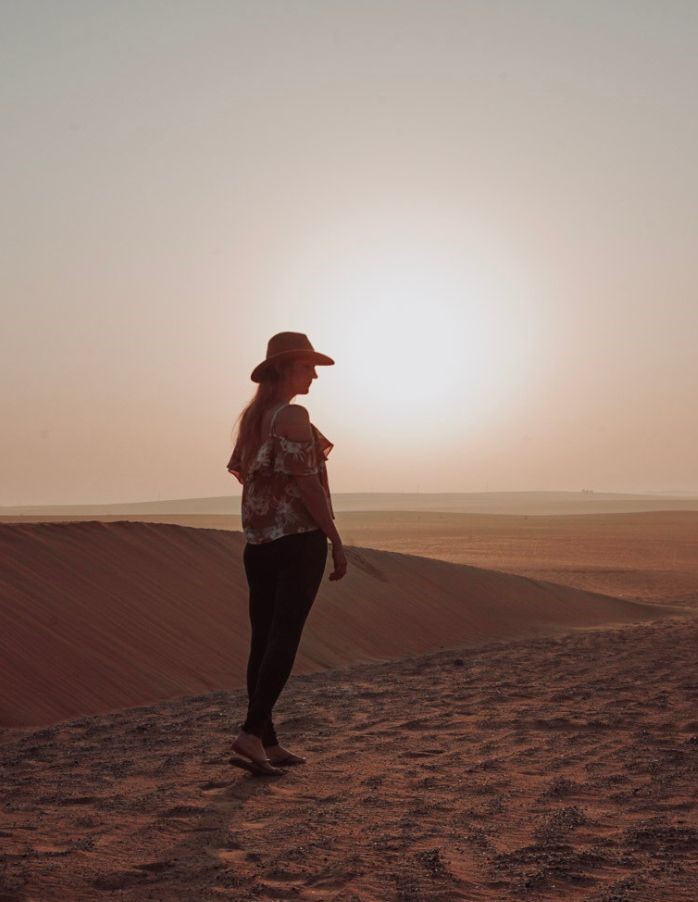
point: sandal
(289, 759)
(255, 766)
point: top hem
(297, 532)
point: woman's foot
(251, 749)
(277, 754)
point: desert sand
(637, 554)
(98, 616)
(543, 746)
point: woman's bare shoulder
(293, 422)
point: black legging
(284, 577)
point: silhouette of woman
(287, 518)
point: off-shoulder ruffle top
(272, 506)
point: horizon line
(677, 494)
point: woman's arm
(315, 500)
(294, 424)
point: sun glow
(424, 337)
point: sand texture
(559, 768)
(549, 751)
(651, 554)
(100, 616)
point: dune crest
(98, 616)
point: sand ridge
(649, 555)
(98, 616)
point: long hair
(247, 430)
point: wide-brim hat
(285, 345)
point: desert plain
(494, 706)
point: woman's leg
(301, 565)
(261, 579)
(261, 565)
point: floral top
(272, 506)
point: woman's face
(300, 375)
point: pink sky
(485, 212)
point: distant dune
(531, 503)
(649, 556)
(97, 616)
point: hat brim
(261, 370)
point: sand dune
(99, 616)
(528, 759)
(649, 555)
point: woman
(287, 518)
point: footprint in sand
(119, 880)
(142, 873)
(210, 785)
(155, 867)
(421, 753)
(185, 811)
(80, 800)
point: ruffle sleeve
(235, 466)
(302, 458)
(323, 444)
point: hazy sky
(486, 212)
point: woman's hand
(339, 561)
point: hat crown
(283, 342)
(286, 346)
